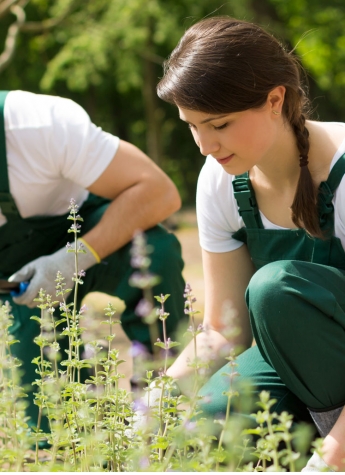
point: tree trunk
(152, 110)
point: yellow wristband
(91, 249)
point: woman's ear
(275, 99)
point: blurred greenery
(107, 55)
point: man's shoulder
(28, 98)
(28, 110)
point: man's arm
(142, 195)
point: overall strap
(321, 248)
(326, 193)
(336, 174)
(7, 204)
(245, 197)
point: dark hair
(224, 65)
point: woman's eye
(191, 126)
(220, 127)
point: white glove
(316, 464)
(41, 273)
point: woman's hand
(226, 278)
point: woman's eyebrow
(208, 119)
(213, 118)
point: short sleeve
(217, 213)
(84, 150)
(54, 151)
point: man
(51, 152)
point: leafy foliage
(95, 426)
(107, 55)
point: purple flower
(190, 425)
(143, 281)
(83, 309)
(160, 312)
(144, 308)
(137, 349)
(140, 250)
(207, 398)
(75, 227)
(89, 352)
(187, 289)
(144, 462)
(73, 207)
(140, 262)
(49, 352)
(140, 406)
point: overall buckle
(8, 205)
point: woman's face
(238, 141)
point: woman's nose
(207, 145)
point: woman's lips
(224, 160)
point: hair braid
(304, 207)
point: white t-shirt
(54, 152)
(217, 210)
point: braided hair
(223, 65)
(304, 206)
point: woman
(271, 220)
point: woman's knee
(270, 292)
(268, 282)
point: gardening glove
(42, 272)
(316, 464)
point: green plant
(92, 420)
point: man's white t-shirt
(54, 152)
(217, 210)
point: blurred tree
(108, 54)
(128, 40)
(16, 8)
(315, 27)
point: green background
(107, 55)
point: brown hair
(224, 65)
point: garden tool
(15, 289)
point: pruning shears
(15, 289)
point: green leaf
(161, 344)
(171, 344)
(162, 299)
(39, 320)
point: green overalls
(296, 302)
(23, 240)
